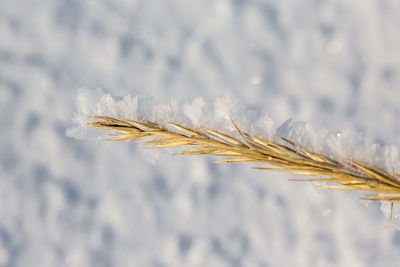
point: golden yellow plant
(286, 156)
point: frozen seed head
(281, 154)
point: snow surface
(69, 202)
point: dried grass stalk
(286, 156)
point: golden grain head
(285, 156)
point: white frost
(338, 145)
(90, 103)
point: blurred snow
(68, 202)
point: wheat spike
(286, 157)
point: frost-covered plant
(280, 153)
(288, 156)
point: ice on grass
(342, 145)
(198, 113)
(98, 103)
(195, 110)
(192, 114)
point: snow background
(68, 202)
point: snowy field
(71, 202)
